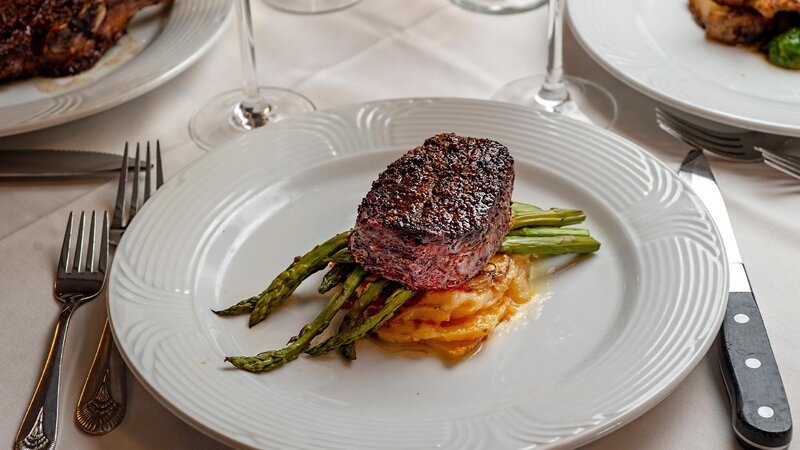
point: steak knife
(57, 163)
(761, 416)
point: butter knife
(761, 416)
(57, 163)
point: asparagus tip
(225, 312)
(248, 363)
(349, 353)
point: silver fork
(743, 145)
(101, 406)
(39, 427)
(739, 145)
(787, 164)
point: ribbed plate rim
(581, 437)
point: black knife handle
(761, 416)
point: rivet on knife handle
(761, 416)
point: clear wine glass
(570, 96)
(233, 113)
(311, 6)
(499, 6)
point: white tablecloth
(378, 49)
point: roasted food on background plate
(731, 25)
(769, 26)
(439, 256)
(767, 8)
(55, 38)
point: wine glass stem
(252, 101)
(554, 89)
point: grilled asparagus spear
(287, 281)
(275, 358)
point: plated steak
(60, 37)
(435, 216)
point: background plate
(656, 47)
(620, 331)
(162, 41)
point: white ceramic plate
(656, 47)
(161, 42)
(619, 331)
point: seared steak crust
(60, 37)
(435, 216)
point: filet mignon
(435, 216)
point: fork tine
(159, 167)
(788, 165)
(694, 140)
(147, 175)
(101, 264)
(678, 135)
(119, 205)
(695, 133)
(715, 136)
(785, 168)
(76, 265)
(63, 261)
(135, 190)
(90, 253)
(672, 132)
(786, 160)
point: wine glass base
(311, 6)
(588, 101)
(499, 6)
(215, 123)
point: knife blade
(760, 410)
(57, 163)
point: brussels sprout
(784, 49)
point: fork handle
(39, 427)
(101, 406)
